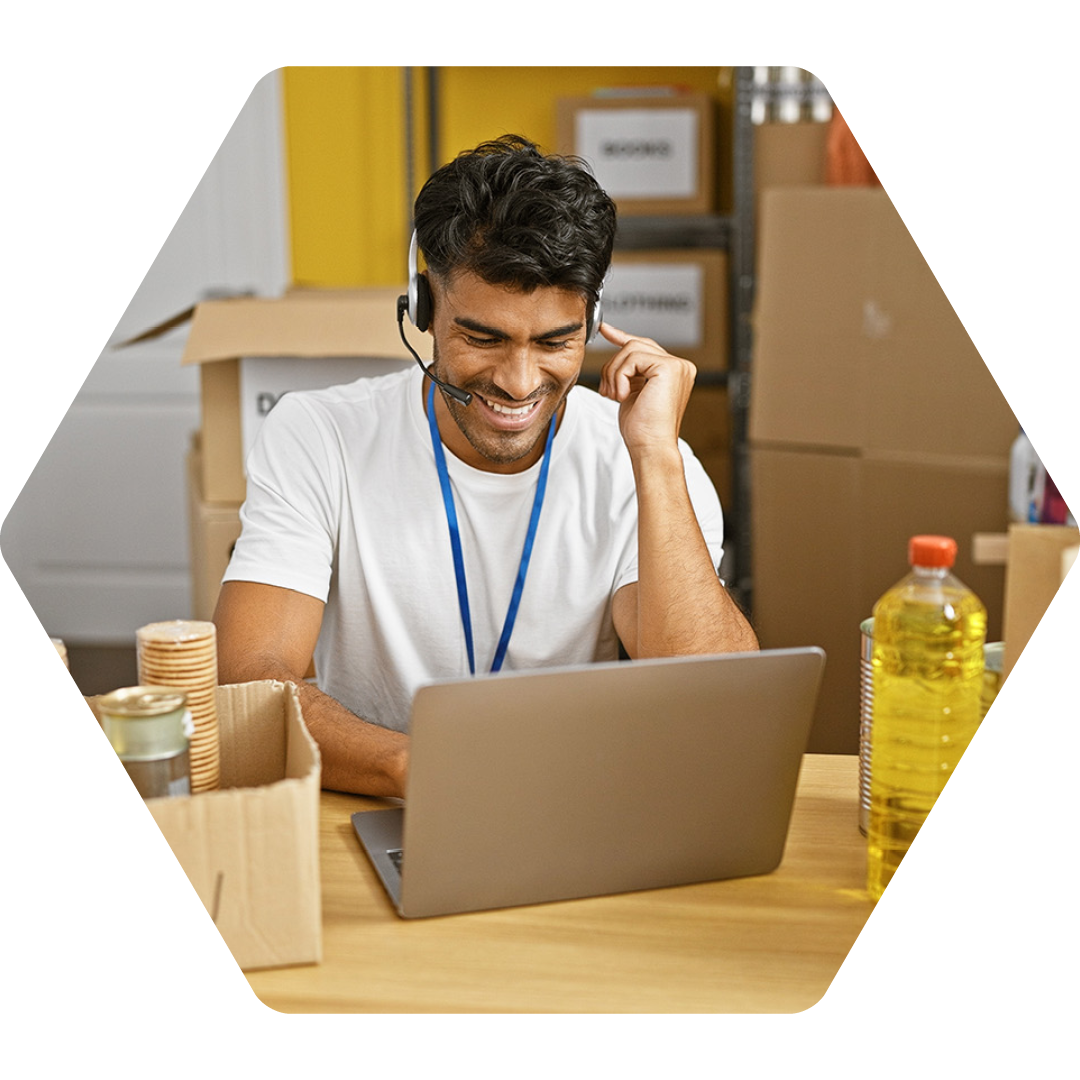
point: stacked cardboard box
(872, 418)
(653, 153)
(677, 298)
(249, 352)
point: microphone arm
(457, 394)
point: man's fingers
(621, 337)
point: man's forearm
(357, 756)
(265, 632)
(682, 607)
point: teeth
(506, 411)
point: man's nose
(518, 374)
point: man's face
(517, 353)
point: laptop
(530, 787)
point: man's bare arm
(678, 606)
(265, 632)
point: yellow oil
(929, 632)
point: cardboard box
(677, 298)
(830, 534)
(789, 155)
(902, 337)
(1039, 557)
(213, 530)
(916, 320)
(652, 154)
(244, 860)
(251, 350)
(706, 427)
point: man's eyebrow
(560, 331)
(490, 331)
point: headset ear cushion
(423, 303)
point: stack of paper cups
(182, 654)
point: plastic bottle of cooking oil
(929, 632)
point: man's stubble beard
(501, 448)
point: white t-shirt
(344, 504)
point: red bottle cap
(932, 551)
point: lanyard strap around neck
(455, 539)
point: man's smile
(515, 415)
(519, 411)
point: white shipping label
(265, 379)
(656, 300)
(641, 153)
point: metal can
(149, 728)
(866, 719)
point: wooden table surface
(770, 943)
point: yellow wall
(345, 141)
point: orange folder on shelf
(970, 145)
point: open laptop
(527, 787)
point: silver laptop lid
(533, 786)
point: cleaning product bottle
(929, 633)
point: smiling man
(485, 513)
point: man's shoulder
(366, 388)
(595, 442)
(345, 404)
(598, 415)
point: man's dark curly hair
(516, 217)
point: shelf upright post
(741, 300)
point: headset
(417, 304)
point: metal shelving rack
(734, 234)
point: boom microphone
(455, 392)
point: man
(399, 534)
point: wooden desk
(764, 944)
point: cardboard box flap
(257, 747)
(159, 329)
(171, 322)
(253, 861)
(305, 323)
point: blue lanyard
(455, 539)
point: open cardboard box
(251, 848)
(250, 350)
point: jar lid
(140, 701)
(939, 551)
